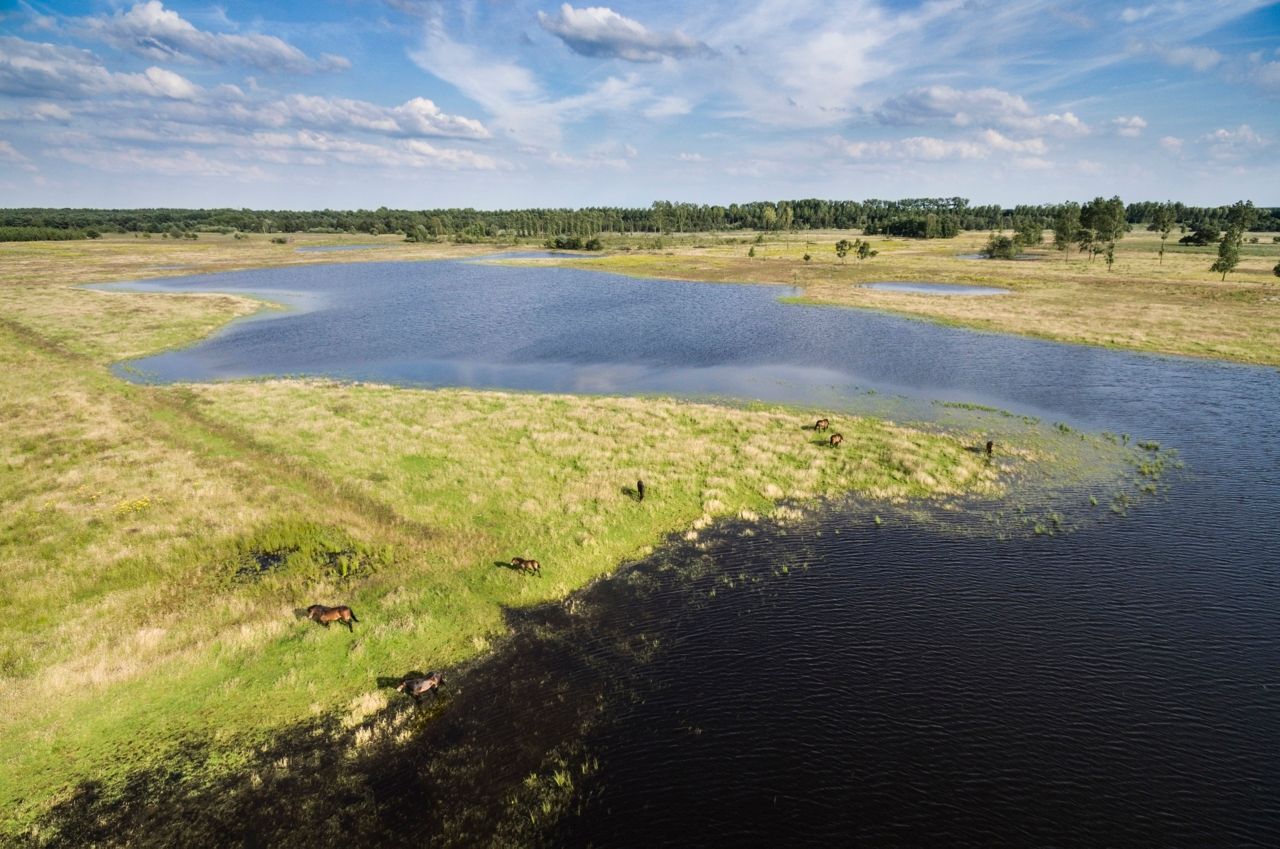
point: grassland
(155, 542)
(1174, 306)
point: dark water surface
(835, 682)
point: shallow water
(938, 289)
(898, 685)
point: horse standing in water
(325, 615)
(836, 439)
(524, 565)
(822, 424)
(419, 687)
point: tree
(1066, 226)
(842, 248)
(1228, 252)
(1002, 247)
(1201, 234)
(1028, 231)
(1110, 255)
(1102, 223)
(751, 251)
(1162, 222)
(864, 249)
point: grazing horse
(527, 565)
(419, 687)
(822, 424)
(325, 615)
(640, 490)
(836, 439)
(990, 447)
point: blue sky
(509, 103)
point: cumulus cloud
(600, 32)
(997, 141)
(1129, 126)
(150, 30)
(1171, 144)
(49, 70)
(1243, 141)
(970, 107)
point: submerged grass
(157, 543)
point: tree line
(910, 217)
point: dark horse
(640, 490)
(822, 424)
(325, 615)
(990, 447)
(836, 439)
(419, 687)
(527, 565)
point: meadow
(158, 542)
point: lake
(834, 682)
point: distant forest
(912, 217)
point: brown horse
(990, 447)
(325, 615)
(836, 439)
(527, 565)
(419, 687)
(640, 490)
(822, 424)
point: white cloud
(599, 31)
(1171, 144)
(1129, 126)
(996, 141)
(924, 148)
(1230, 145)
(691, 157)
(1088, 166)
(974, 107)
(416, 117)
(38, 69)
(149, 29)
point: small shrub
(279, 240)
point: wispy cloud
(154, 32)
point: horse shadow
(300, 613)
(506, 564)
(389, 682)
(631, 492)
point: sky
(510, 103)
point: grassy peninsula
(158, 541)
